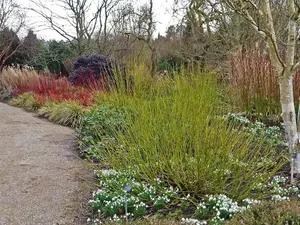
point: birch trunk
(288, 110)
(289, 118)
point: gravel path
(42, 180)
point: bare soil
(42, 179)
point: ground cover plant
(144, 199)
(272, 134)
(99, 128)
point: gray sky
(162, 10)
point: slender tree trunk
(288, 110)
(290, 123)
(153, 61)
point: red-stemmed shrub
(47, 88)
(253, 83)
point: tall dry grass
(13, 77)
(253, 85)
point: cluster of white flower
(93, 221)
(192, 221)
(256, 127)
(120, 219)
(110, 198)
(272, 134)
(250, 202)
(278, 180)
(293, 190)
(140, 205)
(280, 192)
(274, 130)
(222, 207)
(225, 204)
(163, 198)
(238, 118)
(279, 198)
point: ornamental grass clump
(14, 77)
(28, 101)
(178, 135)
(64, 113)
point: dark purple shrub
(95, 68)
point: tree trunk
(288, 110)
(153, 61)
(289, 118)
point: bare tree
(81, 22)
(133, 27)
(143, 29)
(75, 20)
(209, 30)
(106, 25)
(11, 19)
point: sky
(162, 11)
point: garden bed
(175, 146)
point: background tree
(106, 11)
(208, 31)
(79, 22)
(11, 22)
(143, 30)
(29, 46)
(72, 20)
(52, 56)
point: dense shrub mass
(93, 69)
